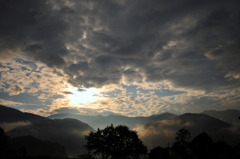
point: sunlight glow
(82, 96)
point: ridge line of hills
(69, 129)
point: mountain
(229, 116)
(21, 146)
(201, 122)
(67, 132)
(36, 147)
(156, 130)
(162, 132)
(12, 115)
(103, 121)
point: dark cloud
(35, 28)
(17, 88)
(193, 44)
(81, 90)
(67, 92)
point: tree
(3, 141)
(181, 146)
(117, 142)
(201, 145)
(183, 136)
(159, 152)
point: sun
(82, 96)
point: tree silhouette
(181, 146)
(201, 145)
(159, 152)
(183, 136)
(3, 142)
(118, 142)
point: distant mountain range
(69, 129)
(229, 116)
(163, 132)
(103, 121)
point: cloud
(32, 27)
(67, 92)
(22, 76)
(9, 102)
(10, 126)
(42, 111)
(80, 111)
(115, 40)
(15, 90)
(190, 46)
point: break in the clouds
(133, 57)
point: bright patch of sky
(82, 96)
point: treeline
(200, 147)
(116, 143)
(119, 143)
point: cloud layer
(191, 46)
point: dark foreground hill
(36, 147)
(67, 132)
(20, 147)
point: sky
(129, 57)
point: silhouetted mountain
(201, 122)
(35, 147)
(162, 116)
(103, 121)
(229, 116)
(68, 132)
(162, 132)
(86, 119)
(13, 115)
(155, 130)
(27, 146)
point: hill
(67, 132)
(162, 132)
(8, 114)
(103, 121)
(22, 146)
(229, 116)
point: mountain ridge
(162, 132)
(103, 121)
(67, 132)
(8, 114)
(154, 129)
(230, 115)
